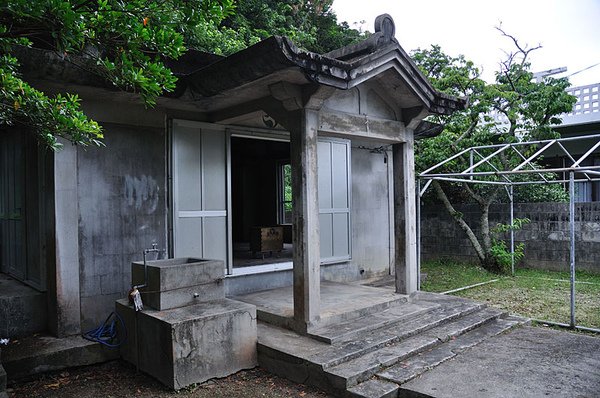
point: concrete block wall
(546, 237)
(122, 210)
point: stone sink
(178, 282)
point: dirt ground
(118, 379)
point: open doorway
(261, 202)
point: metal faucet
(153, 249)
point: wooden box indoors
(266, 239)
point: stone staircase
(372, 356)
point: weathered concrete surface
(442, 325)
(374, 388)
(122, 211)
(63, 273)
(339, 302)
(177, 282)
(190, 344)
(305, 220)
(405, 225)
(372, 233)
(22, 308)
(529, 362)
(38, 354)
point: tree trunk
(489, 263)
(461, 223)
(483, 248)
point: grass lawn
(531, 293)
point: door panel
(12, 206)
(199, 192)
(334, 199)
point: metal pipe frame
(578, 169)
(418, 194)
(572, 239)
(468, 176)
(527, 161)
(512, 230)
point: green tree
(530, 108)
(123, 42)
(310, 24)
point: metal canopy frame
(482, 170)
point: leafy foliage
(123, 42)
(310, 24)
(529, 110)
(500, 250)
(126, 42)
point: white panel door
(334, 199)
(199, 192)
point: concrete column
(405, 227)
(305, 220)
(63, 274)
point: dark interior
(254, 185)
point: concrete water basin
(177, 282)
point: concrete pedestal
(177, 282)
(190, 344)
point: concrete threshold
(339, 302)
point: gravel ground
(119, 379)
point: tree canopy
(513, 107)
(126, 42)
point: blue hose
(106, 334)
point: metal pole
(512, 230)
(418, 194)
(471, 162)
(572, 245)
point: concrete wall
(546, 238)
(370, 214)
(122, 211)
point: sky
(568, 30)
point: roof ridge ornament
(385, 25)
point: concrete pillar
(64, 315)
(305, 220)
(405, 227)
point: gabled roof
(343, 68)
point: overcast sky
(568, 30)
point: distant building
(583, 120)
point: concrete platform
(528, 362)
(339, 302)
(33, 355)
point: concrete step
(352, 372)
(274, 341)
(339, 303)
(40, 353)
(374, 388)
(353, 357)
(22, 308)
(412, 367)
(355, 327)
